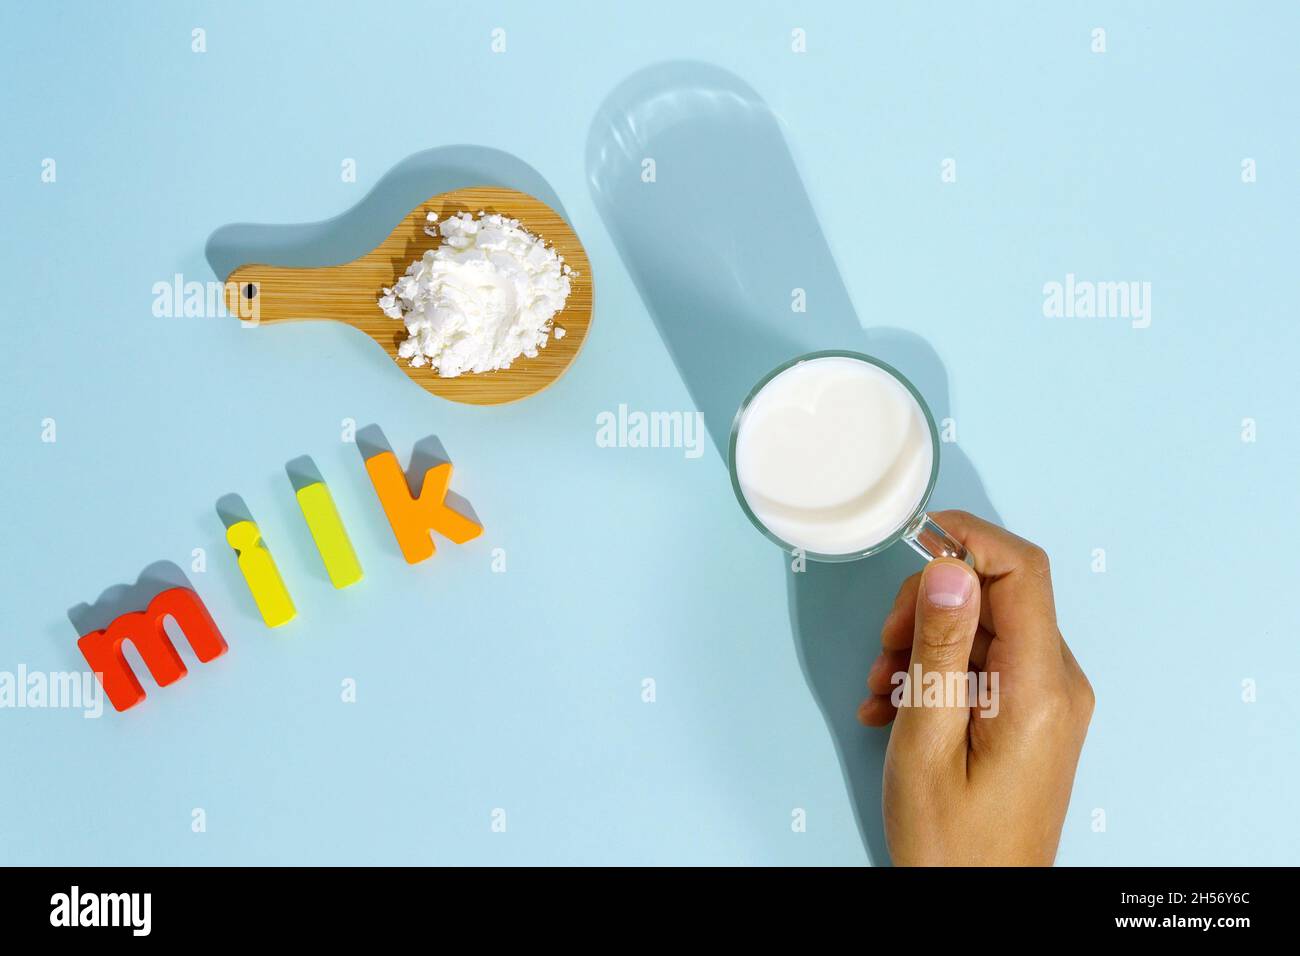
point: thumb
(947, 615)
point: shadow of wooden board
(349, 293)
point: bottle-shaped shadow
(355, 232)
(692, 175)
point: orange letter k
(413, 518)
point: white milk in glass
(833, 455)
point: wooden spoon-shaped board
(349, 293)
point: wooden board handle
(260, 293)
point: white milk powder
(833, 455)
(488, 294)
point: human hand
(963, 788)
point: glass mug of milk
(835, 454)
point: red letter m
(144, 629)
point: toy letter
(331, 537)
(259, 570)
(144, 629)
(413, 518)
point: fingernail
(948, 585)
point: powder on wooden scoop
(488, 294)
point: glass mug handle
(930, 541)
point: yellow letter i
(259, 570)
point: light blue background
(522, 690)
